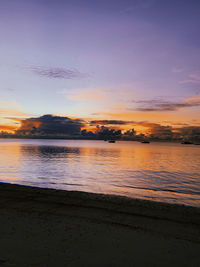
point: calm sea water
(158, 171)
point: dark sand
(45, 227)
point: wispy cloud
(84, 94)
(193, 78)
(110, 122)
(137, 4)
(8, 112)
(7, 89)
(163, 105)
(177, 69)
(9, 103)
(57, 73)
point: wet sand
(55, 228)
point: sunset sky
(132, 60)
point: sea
(159, 171)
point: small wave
(159, 189)
(72, 184)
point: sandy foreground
(47, 227)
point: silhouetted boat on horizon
(145, 142)
(186, 143)
(111, 141)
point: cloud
(9, 103)
(151, 127)
(57, 73)
(146, 124)
(7, 112)
(137, 4)
(109, 122)
(7, 89)
(177, 69)
(176, 123)
(163, 105)
(84, 94)
(190, 131)
(193, 78)
(51, 125)
(161, 130)
(154, 130)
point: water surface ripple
(158, 171)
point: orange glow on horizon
(28, 125)
(8, 128)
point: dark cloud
(161, 130)
(122, 122)
(57, 73)
(162, 105)
(146, 124)
(176, 123)
(155, 131)
(109, 122)
(190, 131)
(50, 125)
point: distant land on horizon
(57, 127)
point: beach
(47, 227)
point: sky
(126, 60)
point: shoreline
(96, 229)
(119, 203)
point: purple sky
(136, 59)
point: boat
(145, 142)
(186, 143)
(111, 141)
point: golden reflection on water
(10, 156)
(160, 171)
